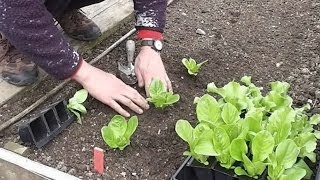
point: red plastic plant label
(98, 160)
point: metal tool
(126, 73)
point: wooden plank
(107, 15)
(34, 167)
(14, 172)
(7, 91)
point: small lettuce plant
(118, 132)
(75, 104)
(259, 132)
(192, 66)
(159, 95)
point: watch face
(158, 45)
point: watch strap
(151, 43)
(147, 43)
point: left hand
(148, 66)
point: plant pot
(193, 170)
(40, 129)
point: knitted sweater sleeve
(30, 28)
(150, 14)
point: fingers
(136, 98)
(128, 102)
(169, 84)
(139, 77)
(147, 85)
(114, 105)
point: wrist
(146, 48)
(149, 50)
(82, 74)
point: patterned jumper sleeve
(150, 17)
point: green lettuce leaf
(80, 96)
(208, 110)
(232, 93)
(287, 153)
(262, 146)
(184, 130)
(294, 173)
(280, 124)
(238, 147)
(230, 114)
(221, 140)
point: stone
(89, 174)
(64, 169)
(123, 174)
(200, 31)
(279, 64)
(72, 171)
(49, 158)
(305, 70)
(17, 148)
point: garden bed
(268, 40)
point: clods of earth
(267, 39)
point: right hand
(110, 90)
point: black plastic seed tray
(318, 173)
(193, 170)
(46, 125)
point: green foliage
(159, 96)
(199, 140)
(76, 106)
(118, 132)
(192, 66)
(261, 133)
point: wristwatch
(154, 44)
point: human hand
(110, 90)
(148, 66)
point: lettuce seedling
(192, 66)
(159, 95)
(118, 132)
(75, 104)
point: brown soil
(267, 39)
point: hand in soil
(148, 66)
(110, 90)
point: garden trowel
(126, 72)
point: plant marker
(98, 160)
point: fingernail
(127, 115)
(140, 111)
(147, 106)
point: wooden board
(14, 166)
(107, 15)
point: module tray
(40, 129)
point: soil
(267, 39)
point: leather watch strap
(147, 43)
